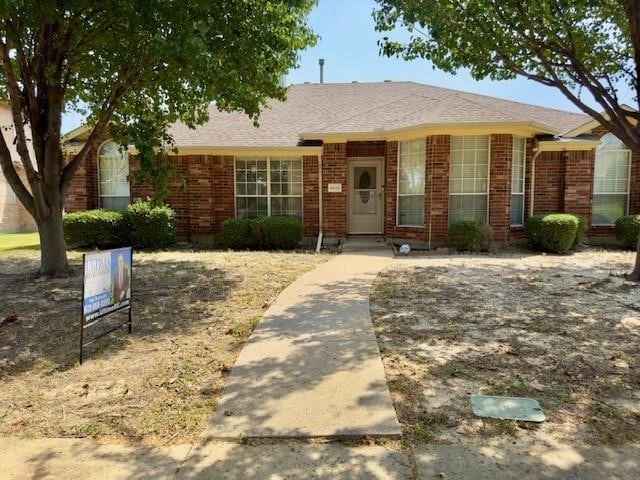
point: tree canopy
(133, 67)
(587, 49)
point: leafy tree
(134, 67)
(587, 49)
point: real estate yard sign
(106, 289)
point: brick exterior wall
(563, 182)
(334, 205)
(310, 192)
(501, 152)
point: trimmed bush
(463, 236)
(627, 229)
(582, 226)
(235, 233)
(95, 228)
(553, 232)
(150, 226)
(281, 233)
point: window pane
(113, 170)
(469, 175)
(517, 209)
(286, 207)
(411, 167)
(411, 210)
(608, 208)
(468, 207)
(611, 170)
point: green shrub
(582, 226)
(235, 234)
(463, 236)
(627, 229)
(553, 232)
(150, 226)
(95, 228)
(282, 233)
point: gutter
(319, 242)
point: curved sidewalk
(312, 366)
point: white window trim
(126, 157)
(398, 194)
(627, 193)
(524, 182)
(268, 196)
(488, 193)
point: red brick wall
(366, 149)
(334, 170)
(549, 179)
(578, 181)
(310, 198)
(437, 187)
(501, 150)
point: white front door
(365, 195)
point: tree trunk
(53, 250)
(635, 274)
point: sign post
(106, 289)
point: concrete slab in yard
(292, 460)
(312, 366)
(63, 458)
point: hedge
(95, 228)
(463, 235)
(141, 226)
(553, 232)
(281, 233)
(150, 226)
(627, 229)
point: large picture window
(517, 182)
(268, 186)
(469, 179)
(113, 171)
(411, 173)
(610, 181)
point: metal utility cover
(507, 408)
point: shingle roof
(363, 107)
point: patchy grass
(192, 312)
(564, 330)
(19, 241)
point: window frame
(424, 186)
(488, 192)
(125, 155)
(268, 196)
(524, 181)
(628, 190)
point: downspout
(533, 179)
(319, 242)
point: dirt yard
(564, 330)
(192, 312)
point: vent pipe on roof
(321, 63)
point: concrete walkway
(312, 366)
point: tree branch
(10, 173)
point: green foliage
(95, 228)
(627, 229)
(582, 227)
(235, 233)
(463, 236)
(142, 226)
(150, 226)
(269, 233)
(553, 232)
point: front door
(365, 196)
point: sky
(348, 43)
